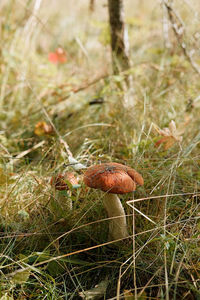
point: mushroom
(61, 183)
(113, 178)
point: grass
(48, 251)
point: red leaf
(59, 56)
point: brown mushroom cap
(60, 181)
(113, 178)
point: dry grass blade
(61, 110)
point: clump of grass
(50, 252)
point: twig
(24, 153)
(178, 29)
(165, 23)
(76, 90)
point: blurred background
(62, 109)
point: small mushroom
(61, 183)
(113, 178)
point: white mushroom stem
(114, 208)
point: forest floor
(56, 105)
